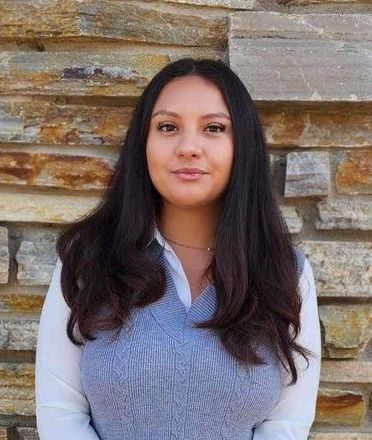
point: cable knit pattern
(164, 379)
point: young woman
(179, 308)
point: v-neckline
(170, 312)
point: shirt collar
(157, 235)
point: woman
(196, 317)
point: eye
(215, 127)
(222, 127)
(160, 126)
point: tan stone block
(293, 218)
(295, 54)
(48, 123)
(26, 433)
(54, 170)
(340, 436)
(229, 4)
(346, 329)
(21, 303)
(323, 2)
(341, 268)
(17, 383)
(346, 371)
(344, 407)
(6, 432)
(45, 208)
(18, 333)
(78, 73)
(307, 174)
(4, 255)
(112, 20)
(322, 128)
(344, 213)
(354, 173)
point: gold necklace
(188, 246)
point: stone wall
(70, 74)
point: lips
(189, 171)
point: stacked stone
(67, 90)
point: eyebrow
(209, 115)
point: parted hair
(106, 262)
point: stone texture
(68, 171)
(5, 432)
(344, 213)
(229, 4)
(321, 2)
(340, 436)
(17, 383)
(36, 260)
(27, 433)
(354, 172)
(286, 50)
(78, 73)
(293, 219)
(346, 329)
(299, 127)
(18, 333)
(341, 268)
(48, 123)
(342, 407)
(107, 19)
(21, 303)
(45, 208)
(346, 371)
(307, 174)
(4, 255)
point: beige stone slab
(341, 268)
(44, 208)
(346, 371)
(300, 127)
(344, 212)
(346, 329)
(293, 219)
(14, 302)
(340, 436)
(4, 255)
(129, 21)
(17, 382)
(55, 170)
(27, 433)
(77, 73)
(354, 172)
(229, 4)
(298, 57)
(335, 407)
(18, 333)
(307, 174)
(43, 122)
(323, 26)
(324, 2)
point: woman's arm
(62, 410)
(294, 414)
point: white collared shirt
(62, 409)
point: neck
(187, 226)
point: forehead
(194, 94)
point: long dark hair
(106, 262)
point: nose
(188, 145)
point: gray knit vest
(163, 379)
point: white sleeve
(294, 414)
(62, 410)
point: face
(183, 135)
